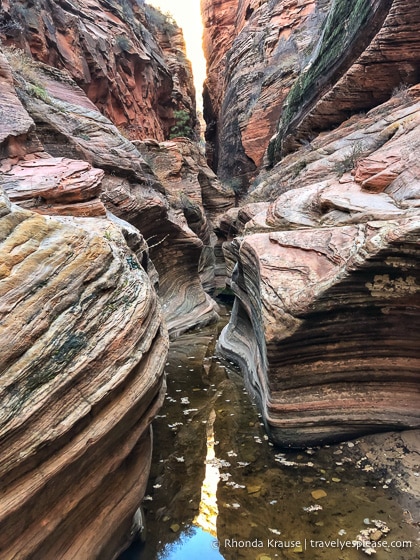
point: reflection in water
(216, 479)
(207, 516)
(193, 544)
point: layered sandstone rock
(327, 329)
(70, 126)
(298, 67)
(55, 186)
(170, 39)
(255, 51)
(83, 336)
(82, 356)
(326, 279)
(219, 32)
(110, 49)
(16, 124)
(364, 54)
(83, 346)
(376, 151)
(194, 193)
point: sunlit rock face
(112, 50)
(326, 277)
(170, 39)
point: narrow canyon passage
(219, 489)
(119, 225)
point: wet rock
(397, 453)
(253, 488)
(318, 494)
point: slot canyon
(209, 321)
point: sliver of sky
(188, 16)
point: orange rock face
(255, 51)
(111, 49)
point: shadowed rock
(255, 51)
(195, 194)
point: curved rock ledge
(330, 318)
(325, 272)
(82, 355)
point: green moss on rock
(346, 25)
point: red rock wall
(111, 48)
(219, 32)
(278, 68)
(254, 51)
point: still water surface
(219, 490)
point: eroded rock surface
(69, 126)
(327, 282)
(83, 332)
(366, 52)
(255, 52)
(194, 193)
(295, 68)
(111, 49)
(82, 355)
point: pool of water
(219, 489)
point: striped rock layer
(82, 355)
(325, 269)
